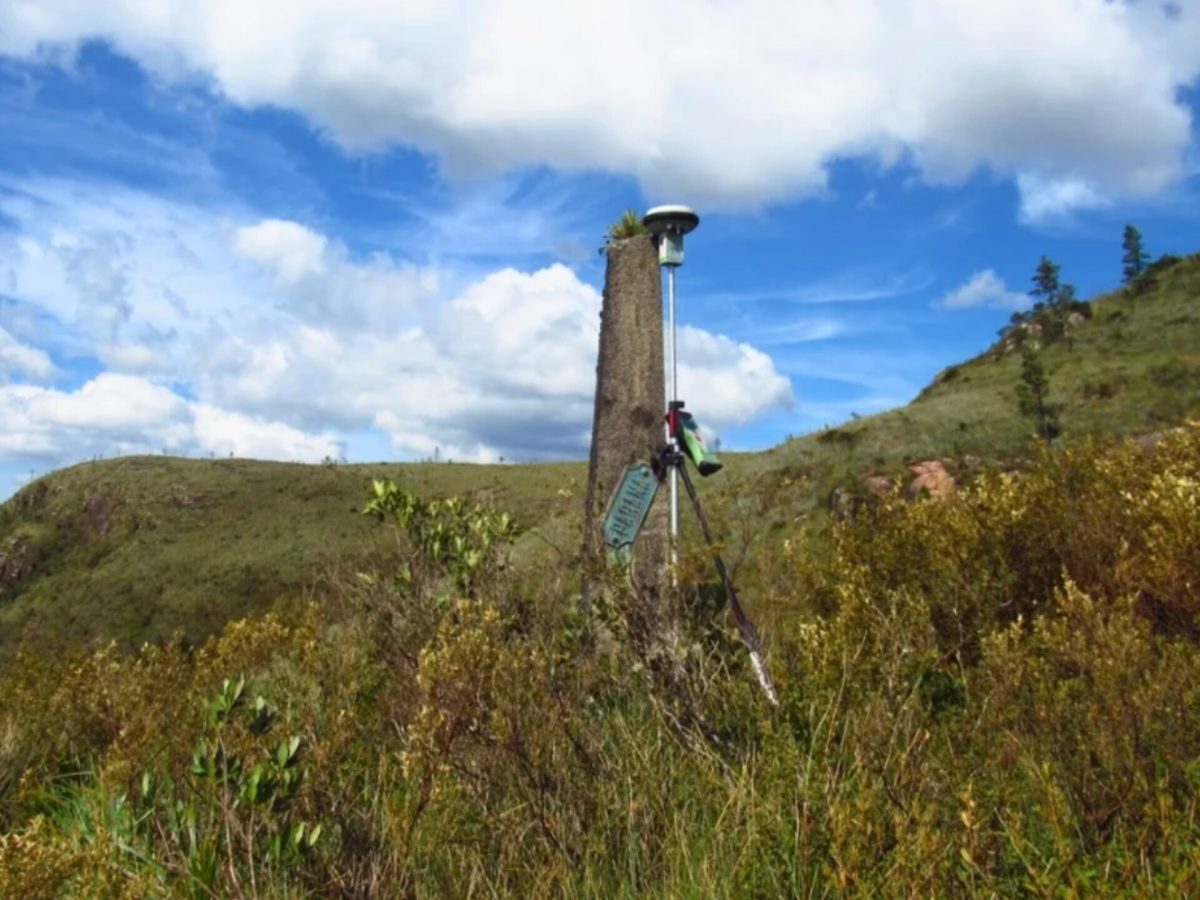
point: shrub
(457, 538)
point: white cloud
(134, 278)
(507, 368)
(509, 218)
(320, 282)
(121, 414)
(531, 332)
(111, 403)
(269, 338)
(134, 358)
(983, 289)
(111, 414)
(735, 104)
(1045, 199)
(118, 270)
(19, 358)
(726, 382)
(225, 433)
(288, 248)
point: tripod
(670, 458)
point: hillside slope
(1134, 367)
(137, 549)
(141, 548)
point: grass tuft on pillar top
(629, 225)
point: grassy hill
(1134, 367)
(139, 549)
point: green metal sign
(629, 506)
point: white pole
(674, 395)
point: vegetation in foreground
(990, 694)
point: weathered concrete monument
(635, 446)
(627, 429)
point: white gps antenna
(669, 224)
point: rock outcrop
(879, 484)
(930, 478)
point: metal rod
(673, 388)
(671, 314)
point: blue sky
(370, 230)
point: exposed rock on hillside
(929, 476)
(15, 563)
(879, 484)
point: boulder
(879, 484)
(929, 476)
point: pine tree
(1135, 258)
(1032, 394)
(1045, 281)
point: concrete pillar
(627, 427)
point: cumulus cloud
(983, 289)
(19, 358)
(746, 102)
(223, 433)
(528, 331)
(506, 368)
(289, 249)
(728, 382)
(1046, 199)
(122, 414)
(322, 284)
(111, 414)
(139, 281)
(266, 337)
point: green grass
(142, 548)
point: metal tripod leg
(745, 626)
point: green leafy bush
(457, 538)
